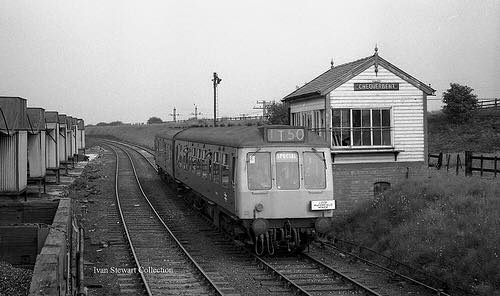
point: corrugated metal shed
(62, 138)
(69, 138)
(51, 140)
(13, 163)
(36, 142)
(81, 136)
(12, 115)
(36, 119)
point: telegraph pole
(262, 106)
(174, 114)
(216, 82)
(196, 113)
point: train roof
(239, 136)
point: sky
(129, 60)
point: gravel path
(13, 280)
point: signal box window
(259, 170)
(361, 127)
(314, 170)
(287, 170)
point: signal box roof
(12, 115)
(36, 119)
(51, 116)
(242, 136)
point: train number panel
(270, 186)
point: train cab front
(286, 198)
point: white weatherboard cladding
(308, 105)
(407, 109)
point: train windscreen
(287, 170)
(314, 170)
(259, 170)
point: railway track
(303, 274)
(390, 267)
(164, 265)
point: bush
(460, 103)
(277, 113)
(154, 119)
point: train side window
(199, 166)
(225, 171)
(216, 168)
(287, 170)
(380, 187)
(204, 168)
(259, 170)
(314, 170)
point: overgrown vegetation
(460, 103)
(446, 225)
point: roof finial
(331, 63)
(376, 49)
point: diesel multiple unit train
(269, 186)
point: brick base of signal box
(354, 183)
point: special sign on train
(285, 134)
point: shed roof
(81, 124)
(70, 122)
(12, 115)
(51, 116)
(238, 136)
(340, 74)
(61, 118)
(36, 119)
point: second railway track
(165, 267)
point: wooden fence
(488, 103)
(468, 163)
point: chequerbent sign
(376, 86)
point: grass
(481, 134)
(446, 225)
(145, 134)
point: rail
(179, 244)
(394, 262)
(127, 233)
(344, 277)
